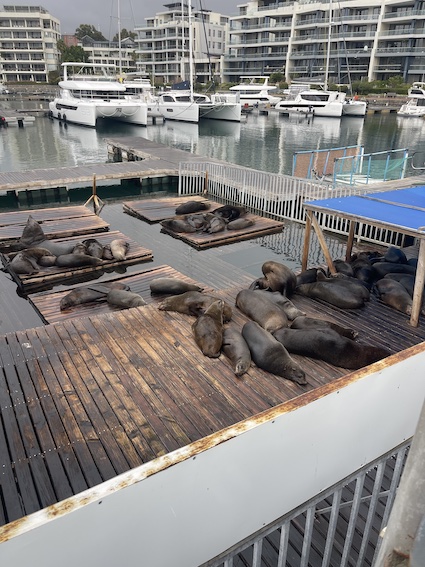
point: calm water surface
(262, 142)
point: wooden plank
(54, 229)
(48, 303)
(42, 215)
(156, 210)
(55, 275)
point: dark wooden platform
(47, 303)
(49, 277)
(90, 397)
(56, 223)
(156, 210)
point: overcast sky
(103, 14)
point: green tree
(91, 31)
(125, 33)
(73, 53)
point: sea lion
(261, 309)
(172, 286)
(270, 355)
(125, 299)
(395, 255)
(394, 294)
(406, 280)
(239, 224)
(107, 253)
(79, 248)
(177, 225)
(87, 294)
(193, 303)
(214, 224)
(305, 322)
(208, 330)
(196, 220)
(343, 267)
(229, 212)
(331, 293)
(192, 207)
(235, 348)
(381, 269)
(21, 263)
(77, 260)
(283, 302)
(119, 248)
(277, 277)
(93, 247)
(34, 237)
(306, 276)
(330, 346)
(349, 283)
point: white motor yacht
(186, 106)
(313, 101)
(141, 88)
(254, 91)
(353, 107)
(86, 98)
(415, 105)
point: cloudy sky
(103, 14)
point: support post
(418, 290)
(98, 204)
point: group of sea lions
(275, 330)
(194, 216)
(390, 276)
(33, 251)
(114, 293)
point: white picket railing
(278, 196)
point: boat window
(317, 97)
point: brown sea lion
(172, 286)
(208, 330)
(119, 248)
(79, 248)
(192, 207)
(193, 303)
(290, 310)
(87, 294)
(270, 355)
(235, 348)
(261, 309)
(330, 293)
(125, 299)
(239, 224)
(305, 322)
(77, 260)
(229, 212)
(93, 247)
(21, 263)
(277, 277)
(380, 269)
(213, 224)
(349, 283)
(394, 294)
(330, 346)
(177, 225)
(34, 237)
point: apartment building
(357, 39)
(28, 39)
(163, 44)
(122, 55)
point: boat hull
(354, 108)
(330, 110)
(87, 113)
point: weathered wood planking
(156, 210)
(55, 228)
(55, 275)
(42, 215)
(203, 240)
(90, 397)
(48, 303)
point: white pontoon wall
(187, 507)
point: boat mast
(119, 42)
(190, 50)
(328, 52)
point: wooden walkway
(154, 160)
(90, 397)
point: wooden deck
(47, 303)
(156, 210)
(49, 277)
(56, 223)
(90, 397)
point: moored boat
(415, 105)
(314, 101)
(86, 98)
(255, 92)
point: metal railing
(339, 527)
(277, 196)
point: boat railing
(277, 196)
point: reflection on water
(264, 142)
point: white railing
(274, 195)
